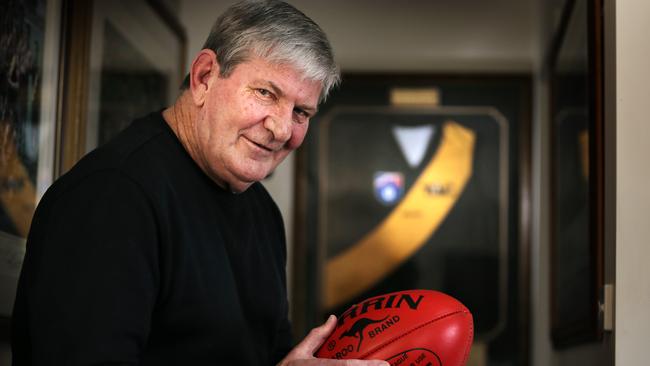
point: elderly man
(161, 247)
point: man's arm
(90, 276)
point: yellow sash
(17, 192)
(409, 225)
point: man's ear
(204, 66)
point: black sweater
(136, 257)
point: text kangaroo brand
(378, 303)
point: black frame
(574, 321)
(307, 256)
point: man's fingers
(326, 362)
(317, 336)
(303, 353)
(355, 363)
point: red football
(416, 327)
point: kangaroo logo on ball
(356, 330)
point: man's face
(251, 120)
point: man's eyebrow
(309, 109)
(278, 91)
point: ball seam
(387, 343)
(468, 343)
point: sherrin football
(415, 327)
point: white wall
(541, 349)
(406, 35)
(627, 27)
(633, 175)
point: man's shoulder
(142, 138)
(135, 153)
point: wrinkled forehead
(302, 61)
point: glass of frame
(123, 59)
(408, 182)
(576, 175)
(135, 65)
(28, 97)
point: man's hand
(303, 353)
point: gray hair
(277, 32)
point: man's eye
(302, 114)
(264, 93)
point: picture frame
(29, 113)
(577, 175)
(334, 190)
(61, 97)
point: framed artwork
(29, 55)
(72, 74)
(129, 62)
(577, 174)
(408, 182)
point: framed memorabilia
(128, 63)
(71, 73)
(409, 182)
(577, 174)
(28, 99)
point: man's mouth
(261, 146)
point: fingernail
(328, 320)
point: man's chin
(243, 182)
(238, 188)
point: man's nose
(280, 126)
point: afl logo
(388, 187)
